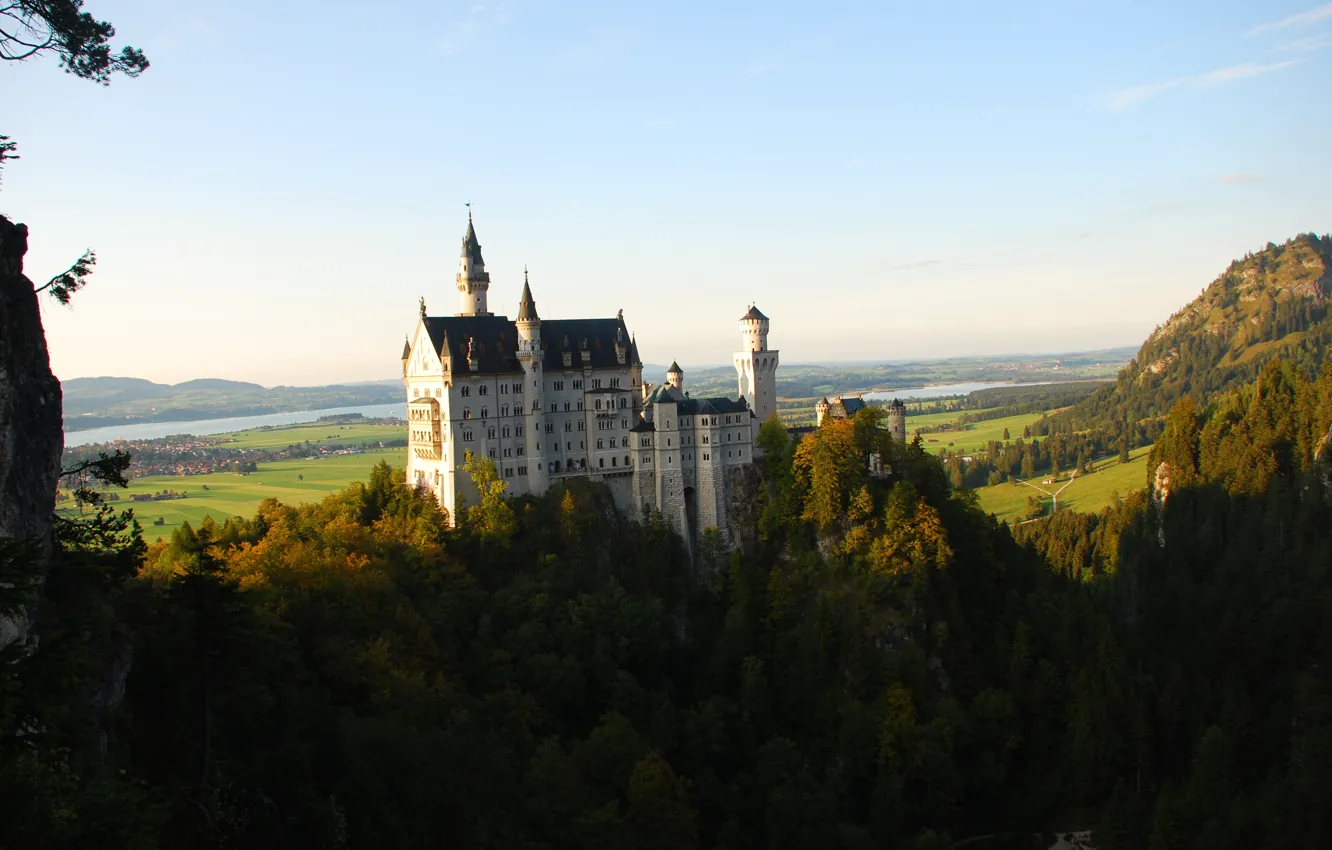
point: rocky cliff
(31, 436)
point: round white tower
(473, 280)
(675, 376)
(756, 367)
(821, 410)
(528, 324)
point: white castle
(556, 398)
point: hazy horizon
(888, 182)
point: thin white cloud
(1125, 98)
(1311, 16)
(1307, 45)
(482, 16)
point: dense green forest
(887, 666)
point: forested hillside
(1270, 304)
(887, 667)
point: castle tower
(897, 420)
(821, 410)
(473, 280)
(528, 324)
(675, 376)
(756, 367)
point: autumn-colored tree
(491, 517)
(828, 465)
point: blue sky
(885, 180)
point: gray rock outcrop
(31, 433)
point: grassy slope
(315, 432)
(976, 437)
(239, 495)
(1089, 493)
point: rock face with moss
(31, 437)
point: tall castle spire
(472, 279)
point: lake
(202, 427)
(946, 389)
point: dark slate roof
(526, 304)
(753, 314)
(496, 342)
(471, 248)
(601, 390)
(600, 336)
(406, 348)
(675, 367)
(853, 405)
(642, 425)
(712, 405)
(665, 393)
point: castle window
(580, 445)
(559, 385)
(568, 426)
(504, 389)
(601, 463)
(491, 453)
(522, 470)
(670, 459)
(580, 404)
(705, 455)
(555, 467)
(520, 451)
(601, 444)
(615, 382)
(490, 433)
(596, 383)
(416, 393)
(518, 432)
(508, 452)
(517, 388)
(467, 413)
(508, 472)
(506, 432)
(615, 461)
(484, 390)
(578, 383)
(437, 391)
(624, 441)
(624, 402)
(554, 407)
(626, 460)
(624, 423)
(466, 391)
(566, 407)
(485, 411)
(598, 404)
(504, 411)
(582, 426)
(467, 436)
(705, 439)
(550, 427)
(668, 441)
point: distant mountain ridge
(1269, 304)
(94, 402)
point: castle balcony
(425, 432)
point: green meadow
(1088, 493)
(976, 437)
(292, 482)
(321, 433)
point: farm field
(292, 482)
(323, 433)
(1088, 494)
(976, 437)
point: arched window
(467, 412)
(485, 411)
(466, 391)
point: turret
(528, 323)
(821, 409)
(754, 333)
(675, 376)
(473, 280)
(406, 354)
(897, 420)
